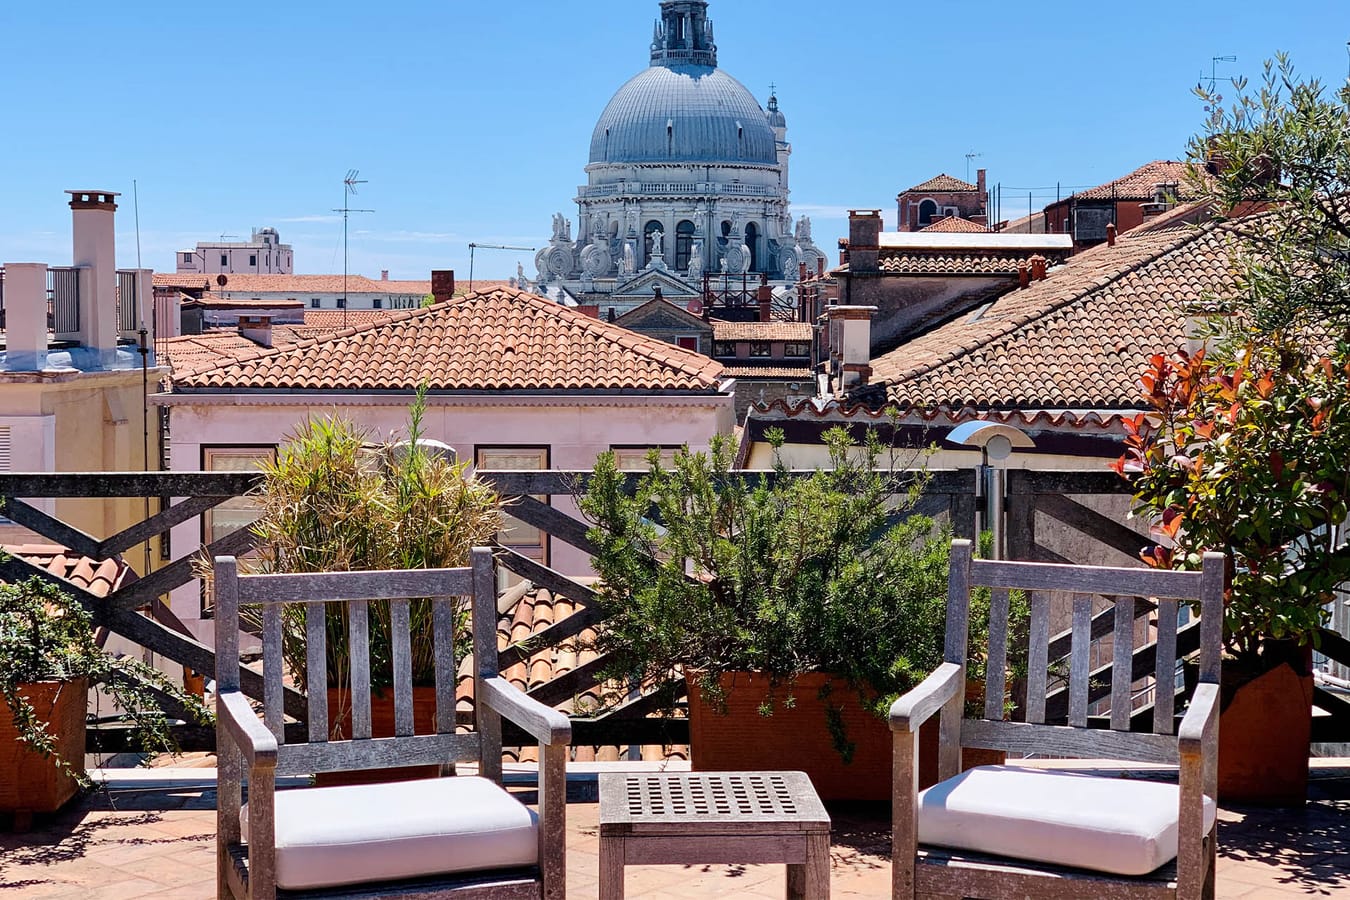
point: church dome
(681, 113)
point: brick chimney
(443, 285)
(864, 240)
(1111, 233)
(257, 329)
(1038, 267)
(384, 274)
(1023, 275)
(764, 297)
(95, 251)
(25, 317)
(980, 183)
(850, 344)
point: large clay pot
(798, 737)
(30, 782)
(1265, 728)
(381, 725)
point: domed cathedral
(688, 176)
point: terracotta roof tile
(99, 577)
(957, 224)
(944, 183)
(184, 281)
(1078, 339)
(199, 352)
(499, 340)
(1139, 184)
(960, 262)
(761, 331)
(803, 372)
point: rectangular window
(796, 349)
(634, 458)
(724, 348)
(224, 260)
(688, 342)
(379, 302)
(237, 512)
(314, 304)
(342, 303)
(253, 259)
(187, 257)
(761, 349)
(527, 540)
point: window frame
(620, 451)
(237, 451)
(545, 451)
(761, 349)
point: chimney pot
(1023, 275)
(443, 285)
(1111, 233)
(384, 274)
(1038, 267)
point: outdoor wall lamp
(996, 444)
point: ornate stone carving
(560, 261)
(696, 259)
(562, 229)
(596, 261)
(787, 263)
(804, 231)
(737, 259)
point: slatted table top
(706, 802)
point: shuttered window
(6, 457)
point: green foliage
(1244, 450)
(827, 572)
(45, 635)
(335, 502)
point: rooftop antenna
(1213, 108)
(473, 247)
(971, 156)
(224, 236)
(348, 192)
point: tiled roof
(99, 577)
(500, 340)
(956, 224)
(325, 320)
(200, 352)
(761, 331)
(959, 262)
(944, 183)
(403, 287)
(213, 300)
(1138, 185)
(185, 281)
(794, 373)
(1077, 340)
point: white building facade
(263, 254)
(688, 176)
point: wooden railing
(1039, 504)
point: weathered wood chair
(1008, 832)
(461, 836)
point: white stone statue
(658, 243)
(804, 231)
(629, 258)
(562, 229)
(696, 260)
(520, 274)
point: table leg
(811, 880)
(611, 868)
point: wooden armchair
(1016, 832)
(461, 836)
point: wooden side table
(724, 818)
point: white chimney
(850, 331)
(256, 328)
(95, 250)
(25, 317)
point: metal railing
(677, 189)
(128, 312)
(63, 302)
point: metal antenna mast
(970, 156)
(348, 191)
(473, 247)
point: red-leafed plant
(1247, 452)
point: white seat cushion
(1122, 826)
(381, 832)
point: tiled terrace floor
(158, 842)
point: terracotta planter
(381, 725)
(29, 782)
(798, 738)
(1264, 732)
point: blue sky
(472, 120)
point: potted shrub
(333, 501)
(1245, 446)
(48, 660)
(796, 609)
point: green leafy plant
(334, 502)
(45, 635)
(704, 572)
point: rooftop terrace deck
(152, 834)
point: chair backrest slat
(1165, 668)
(273, 671)
(995, 680)
(1122, 665)
(1083, 579)
(1061, 740)
(400, 632)
(320, 587)
(358, 643)
(316, 670)
(1037, 655)
(1080, 660)
(443, 628)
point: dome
(683, 113)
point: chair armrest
(1202, 717)
(257, 743)
(918, 706)
(546, 725)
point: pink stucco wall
(575, 428)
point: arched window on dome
(927, 210)
(652, 227)
(752, 241)
(684, 245)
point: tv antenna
(971, 156)
(1214, 71)
(473, 247)
(348, 192)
